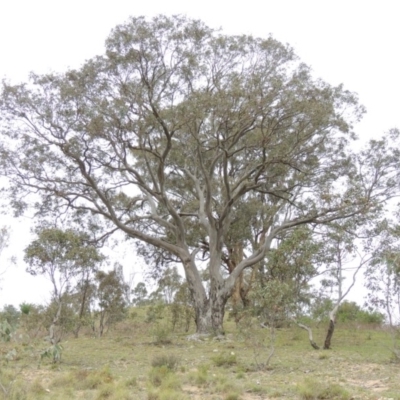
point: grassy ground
(139, 360)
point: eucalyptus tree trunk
(54, 339)
(331, 328)
(209, 307)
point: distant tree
(139, 294)
(111, 297)
(61, 256)
(349, 311)
(10, 314)
(383, 280)
(171, 133)
(4, 240)
(344, 257)
(168, 284)
(182, 311)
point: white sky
(354, 42)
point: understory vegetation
(150, 358)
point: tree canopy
(192, 141)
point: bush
(155, 312)
(225, 359)
(161, 334)
(315, 390)
(167, 360)
(349, 311)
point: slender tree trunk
(327, 343)
(54, 339)
(331, 328)
(81, 309)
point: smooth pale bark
(310, 334)
(52, 335)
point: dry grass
(127, 364)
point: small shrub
(158, 374)
(93, 379)
(162, 334)
(313, 390)
(155, 312)
(240, 375)
(105, 391)
(171, 382)
(168, 360)
(6, 331)
(232, 396)
(225, 359)
(200, 378)
(54, 352)
(25, 308)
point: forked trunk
(209, 310)
(209, 316)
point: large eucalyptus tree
(190, 141)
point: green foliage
(350, 311)
(200, 126)
(54, 352)
(168, 284)
(181, 309)
(36, 321)
(67, 251)
(65, 257)
(161, 333)
(10, 314)
(155, 311)
(139, 294)
(273, 301)
(112, 298)
(315, 390)
(6, 331)
(25, 308)
(158, 375)
(225, 359)
(201, 377)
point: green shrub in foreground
(315, 390)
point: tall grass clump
(315, 390)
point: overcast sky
(353, 42)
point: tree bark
(52, 335)
(327, 343)
(331, 328)
(310, 335)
